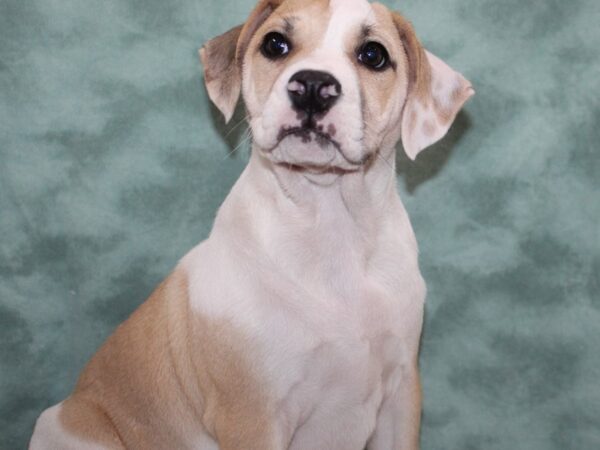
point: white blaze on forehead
(349, 5)
(346, 15)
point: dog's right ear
(222, 59)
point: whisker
(245, 119)
(384, 160)
(247, 137)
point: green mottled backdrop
(113, 163)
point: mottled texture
(113, 163)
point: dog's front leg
(399, 418)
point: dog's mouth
(311, 148)
(309, 134)
(316, 169)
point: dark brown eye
(275, 45)
(374, 56)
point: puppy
(296, 324)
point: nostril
(296, 88)
(329, 90)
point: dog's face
(327, 83)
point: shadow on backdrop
(432, 159)
(234, 133)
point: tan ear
(222, 75)
(222, 59)
(435, 94)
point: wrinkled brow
(288, 23)
(365, 31)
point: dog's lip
(303, 130)
(316, 168)
(299, 131)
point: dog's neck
(320, 232)
(297, 197)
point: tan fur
(177, 374)
(419, 71)
(458, 97)
(217, 56)
(222, 76)
(222, 58)
(237, 409)
(85, 419)
(429, 109)
(413, 74)
(309, 20)
(257, 17)
(165, 372)
(428, 127)
(379, 88)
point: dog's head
(327, 83)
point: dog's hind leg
(74, 425)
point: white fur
(330, 56)
(49, 434)
(335, 300)
(444, 81)
(320, 270)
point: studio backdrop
(113, 163)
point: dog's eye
(275, 45)
(374, 56)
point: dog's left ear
(222, 75)
(435, 93)
(222, 59)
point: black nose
(313, 91)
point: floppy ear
(435, 94)
(222, 59)
(222, 75)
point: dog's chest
(330, 384)
(328, 331)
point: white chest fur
(335, 388)
(332, 308)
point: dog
(296, 324)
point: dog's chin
(312, 152)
